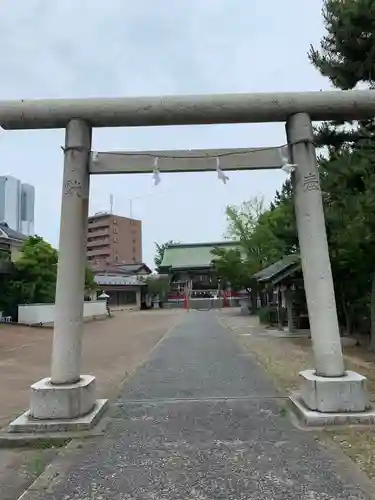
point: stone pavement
(200, 420)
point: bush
(268, 315)
(265, 314)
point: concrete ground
(201, 420)
(112, 349)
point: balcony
(101, 251)
(100, 224)
(100, 242)
(100, 232)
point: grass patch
(283, 411)
(45, 444)
(37, 465)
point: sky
(96, 48)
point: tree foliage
(347, 51)
(35, 271)
(346, 56)
(33, 276)
(158, 285)
(232, 269)
(90, 284)
(255, 229)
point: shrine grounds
(198, 410)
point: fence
(32, 314)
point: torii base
(61, 408)
(332, 401)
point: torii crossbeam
(187, 109)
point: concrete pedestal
(65, 427)
(307, 418)
(50, 401)
(61, 408)
(332, 401)
(334, 394)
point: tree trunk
(348, 316)
(279, 318)
(372, 311)
(289, 309)
(253, 301)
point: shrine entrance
(67, 395)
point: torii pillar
(328, 388)
(65, 401)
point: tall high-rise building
(10, 198)
(17, 204)
(27, 209)
(113, 239)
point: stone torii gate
(66, 400)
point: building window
(114, 221)
(116, 258)
(116, 239)
(115, 230)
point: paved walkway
(200, 421)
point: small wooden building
(282, 289)
(124, 283)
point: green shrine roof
(192, 255)
(280, 269)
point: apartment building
(113, 239)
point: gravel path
(202, 421)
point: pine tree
(347, 52)
(346, 56)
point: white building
(27, 209)
(17, 205)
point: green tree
(90, 284)
(258, 246)
(233, 269)
(346, 56)
(35, 271)
(158, 285)
(33, 278)
(348, 187)
(242, 219)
